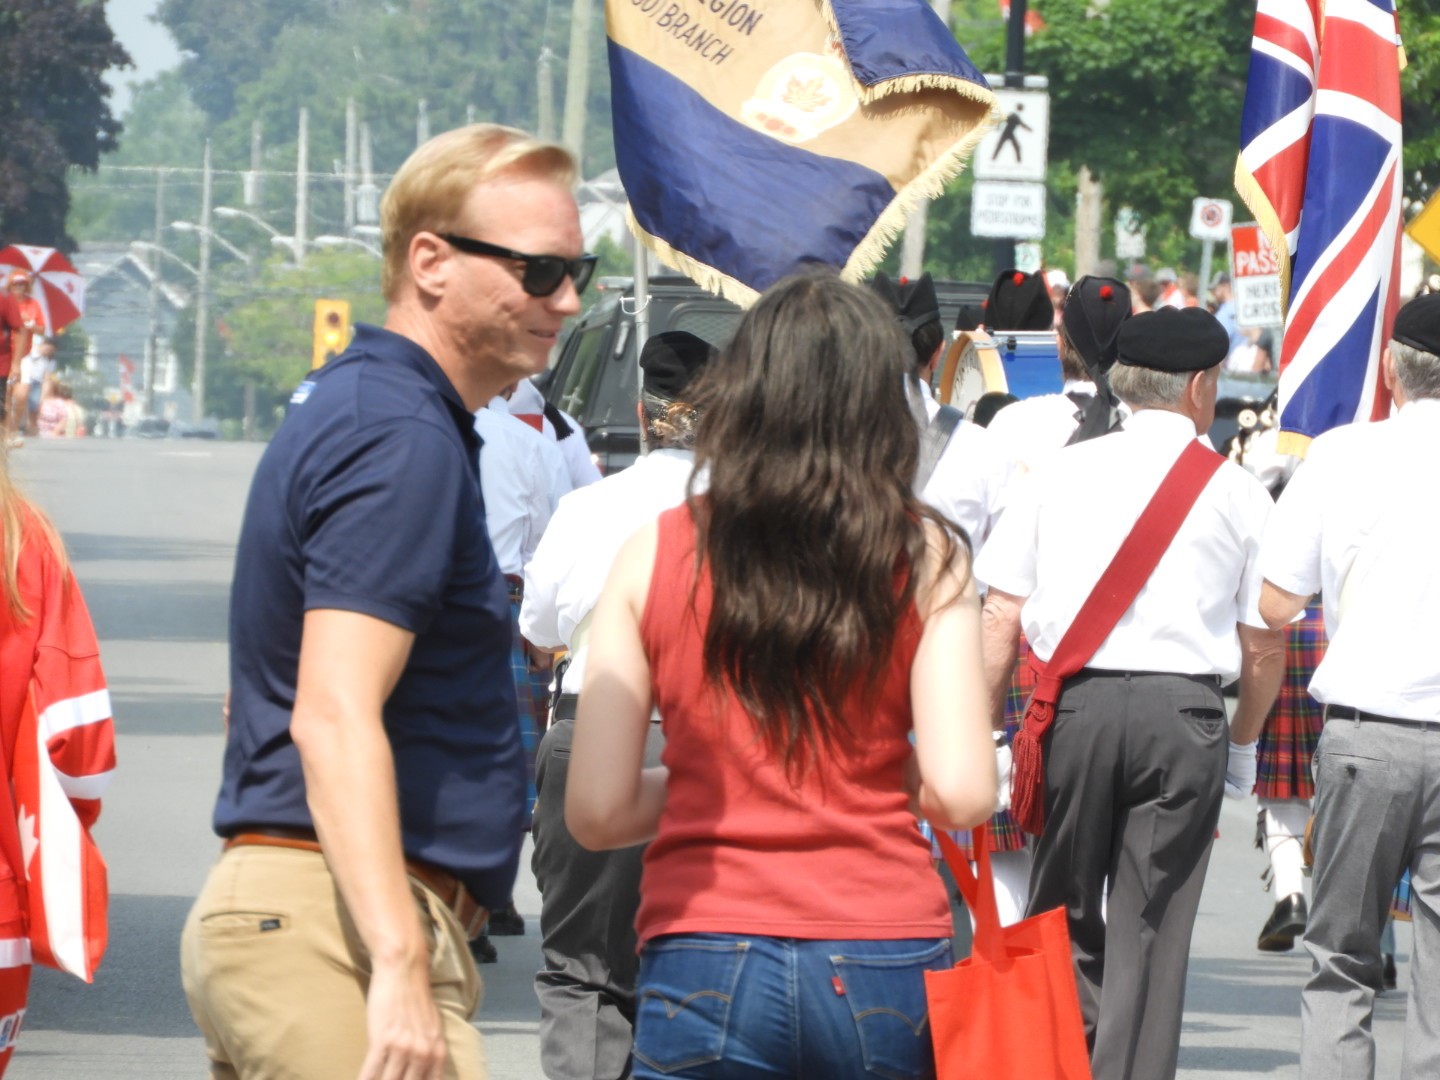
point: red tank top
(742, 850)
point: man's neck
(411, 321)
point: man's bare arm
(1000, 627)
(349, 665)
(1278, 607)
(1262, 669)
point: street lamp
(279, 239)
(145, 245)
(191, 227)
(346, 241)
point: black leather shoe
(506, 923)
(483, 951)
(1390, 976)
(1285, 924)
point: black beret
(671, 360)
(914, 302)
(1019, 301)
(1177, 340)
(1418, 324)
(1095, 309)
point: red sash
(1111, 597)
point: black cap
(1095, 309)
(1019, 301)
(1177, 340)
(1418, 324)
(671, 360)
(914, 302)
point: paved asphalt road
(151, 528)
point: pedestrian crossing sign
(1016, 147)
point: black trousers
(588, 901)
(1134, 775)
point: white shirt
(1067, 519)
(970, 480)
(34, 367)
(1358, 524)
(574, 450)
(564, 579)
(1031, 430)
(522, 477)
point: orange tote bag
(1010, 1011)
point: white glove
(1003, 763)
(1240, 770)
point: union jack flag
(1320, 168)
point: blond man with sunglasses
(373, 783)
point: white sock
(1284, 828)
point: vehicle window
(714, 326)
(589, 358)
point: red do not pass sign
(1251, 253)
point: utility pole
(1014, 80)
(252, 180)
(302, 185)
(202, 284)
(422, 123)
(912, 247)
(470, 114)
(152, 354)
(350, 150)
(577, 80)
(1088, 202)
(367, 197)
(545, 96)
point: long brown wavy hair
(809, 527)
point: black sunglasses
(543, 273)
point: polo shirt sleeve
(1008, 560)
(380, 524)
(1290, 553)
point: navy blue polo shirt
(368, 500)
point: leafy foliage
(53, 110)
(1420, 87)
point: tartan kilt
(532, 696)
(1292, 731)
(1005, 833)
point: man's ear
(430, 261)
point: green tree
(1420, 87)
(54, 111)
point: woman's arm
(953, 747)
(611, 801)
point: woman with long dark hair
(791, 625)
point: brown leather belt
(448, 889)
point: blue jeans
(725, 1005)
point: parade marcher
(373, 783)
(1135, 760)
(57, 731)
(967, 479)
(588, 899)
(789, 625)
(559, 427)
(1354, 527)
(1033, 429)
(522, 479)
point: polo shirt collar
(398, 349)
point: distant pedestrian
(791, 625)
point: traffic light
(332, 330)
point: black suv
(596, 378)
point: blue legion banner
(755, 137)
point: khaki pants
(276, 974)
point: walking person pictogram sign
(1015, 148)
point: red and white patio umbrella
(55, 282)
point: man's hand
(407, 1038)
(538, 658)
(1004, 764)
(1240, 770)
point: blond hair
(429, 191)
(21, 520)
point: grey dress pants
(1377, 812)
(1134, 775)
(588, 901)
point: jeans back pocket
(684, 993)
(885, 987)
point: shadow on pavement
(158, 610)
(1237, 1061)
(168, 714)
(83, 547)
(1268, 986)
(137, 989)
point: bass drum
(971, 369)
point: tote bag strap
(978, 888)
